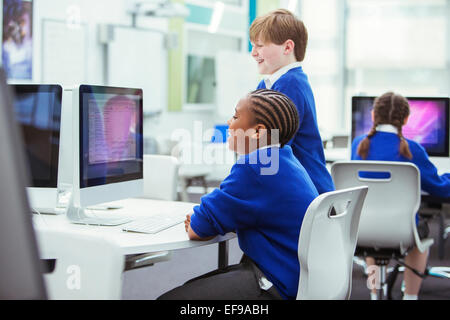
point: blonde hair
(279, 26)
(389, 108)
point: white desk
(336, 154)
(125, 243)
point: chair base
(378, 275)
(386, 280)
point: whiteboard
(137, 58)
(64, 52)
(236, 76)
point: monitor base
(81, 216)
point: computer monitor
(37, 109)
(20, 275)
(428, 122)
(107, 149)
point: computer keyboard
(153, 223)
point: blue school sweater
(265, 211)
(384, 147)
(307, 143)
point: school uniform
(307, 144)
(384, 146)
(266, 212)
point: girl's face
(270, 57)
(242, 129)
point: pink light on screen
(423, 122)
(119, 115)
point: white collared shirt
(270, 146)
(387, 128)
(270, 80)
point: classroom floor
(190, 263)
(432, 288)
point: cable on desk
(40, 215)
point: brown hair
(279, 26)
(275, 110)
(389, 108)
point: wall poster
(17, 38)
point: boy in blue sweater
(279, 42)
(385, 142)
(264, 208)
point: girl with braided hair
(391, 110)
(385, 142)
(265, 209)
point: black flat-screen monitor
(37, 109)
(428, 122)
(20, 268)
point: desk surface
(172, 238)
(337, 154)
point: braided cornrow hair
(389, 108)
(275, 110)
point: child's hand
(187, 222)
(191, 233)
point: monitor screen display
(428, 122)
(37, 109)
(111, 140)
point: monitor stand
(81, 216)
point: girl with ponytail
(389, 109)
(385, 142)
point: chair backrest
(388, 215)
(327, 244)
(160, 177)
(87, 265)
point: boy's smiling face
(269, 56)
